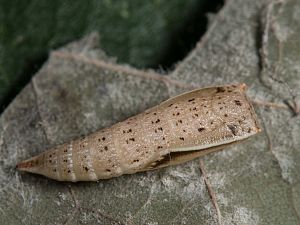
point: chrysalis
(177, 130)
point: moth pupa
(177, 130)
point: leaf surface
(80, 90)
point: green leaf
(135, 32)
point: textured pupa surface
(177, 130)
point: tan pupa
(177, 130)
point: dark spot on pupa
(105, 148)
(233, 129)
(159, 147)
(220, 89)
(219, 97)
(176, 107)
(86, 169)
(211, 122)
(108, 170)
(184, 130)
(155, 131)
(103, 139)
(152, 122)
(226, 115)
(190, 100)
(50, 155)
(170, 105)
(201, 129)
(229, 91)
(50, 161)
(136, 160)
(164, 138)
(237, 102)
(181, 138)
(160, 128)
(54, 170)
(124, 131)
(131, 139)
(69, 171)
(66, 150)
(154, 114)
(194, 108)
(178, 113)
(157, 121)
(196, 114)
(65, 160)
(180, 121)
(249, 130)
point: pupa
(179, 129)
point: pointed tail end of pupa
(29, 165)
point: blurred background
(145, 34)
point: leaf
(139, 33)
(80, 90)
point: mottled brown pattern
(175, 131)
